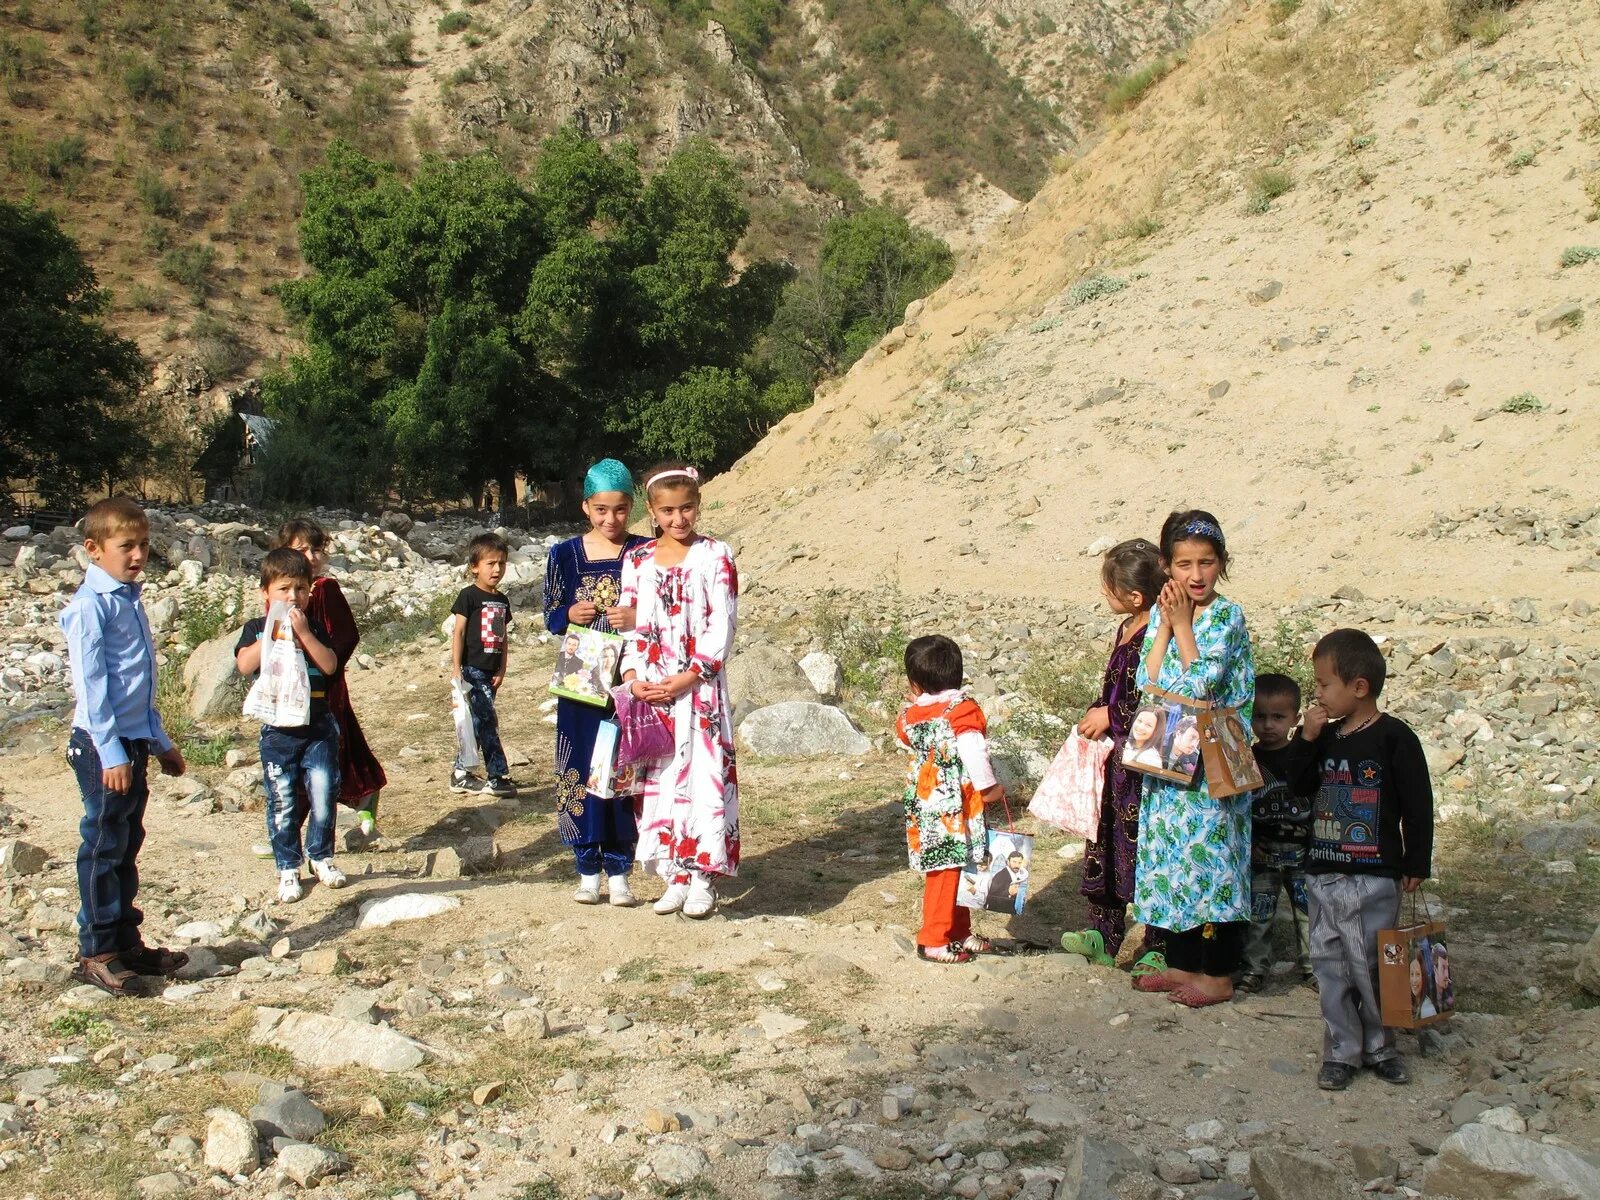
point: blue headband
(608, 475)
(1205, 529)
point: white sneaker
(588, 889)
(702, 899)
(672, 899)
(621, 893)
(289, 889)
(328, 875)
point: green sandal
(1091, 944)
(1153, 963)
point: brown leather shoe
(154, 960)
(110, 974)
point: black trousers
(1211, 949)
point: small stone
(232, 1145)
(280, 950)
(894, 1107)
(1288, 1175)
(526, 1023)
(676, 1165)
(310, 1165)
(784, 1163)
(568, 1081)
(488, 1093)
(166, 1186)
(1219, 389)
(1558, 315)
(1173, 1167)
(290, 1114)
(660, 1121)
(617, 1022)
(18, 858)
(324, 960)
(1268, 291)
(892, 1158)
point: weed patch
(1266, 185)
(1576, 256)
(1522, 402)
(1127, 91)
(1095, 287)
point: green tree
(872, 264)
(68, 385)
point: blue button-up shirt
(113, 666)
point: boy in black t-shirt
(1279, 833)
(1371, 839)
(301, 759)
(479, 644)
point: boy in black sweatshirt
(1371, 839)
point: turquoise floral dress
(1194, 852)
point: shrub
(1576, 256)
(454, 22)
(1286, 650)
(395, 50)
(218, 346)
(1522, 402)
(1464, 17)
(155, 194)
(190, 266)
(65, 155)
(1095, 287)
(1139, 227)
(1126, 92)
(869, 653)
(143, 81)
(1044, 25)
(1266, 185)
(1282, 10)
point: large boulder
(215, 686)
(764, 675)
(327, 1043)
(1479, 1163)
(801, 729)
(1587, 972)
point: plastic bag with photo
(281, 694)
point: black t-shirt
(488, 617)
(1281, 817)
(251, 634)
(1373, 814)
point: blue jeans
(112, 831)
(485, 724)
(300, 772)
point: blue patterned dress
(1194, 852)
(602, 833)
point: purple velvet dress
(1108, 861)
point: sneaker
(328, 875)
(588, 889)
(289, 889)
(672, 899)
(1392, 1070)
(1250, 981)
(467, 785)
(621, 893)
(500, 785)
(701, 901)
(1335, 1077)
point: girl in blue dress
(582, 587)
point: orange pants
(943, 920)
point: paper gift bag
(1231, 767)
(1415, 987)
(1000, 883)
(587, 666)
(467, 753)
(281, 694)
(1069, 795)
(606, 779)
(1172, 736)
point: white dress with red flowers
(685, 621)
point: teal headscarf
(608, 475)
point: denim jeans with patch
(485, 723)
(111, 833)
(300, 773)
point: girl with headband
(687, 589)
(583, 589)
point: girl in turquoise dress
(1193, 875)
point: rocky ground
(513, 1044)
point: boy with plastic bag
(299, 735)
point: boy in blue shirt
(301, 758)
(115, 730)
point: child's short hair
(302, 529)
(1134, 566)
(1354, 655)
(486, 543)
(933, 663)
(1271, 684)
(106, 518)
(671, 474)
(284, 563)
(1194, 525)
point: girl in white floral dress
(685, 589)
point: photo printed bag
(281, 694)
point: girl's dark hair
(1194, 525)
(1134, 566)
(302, 527)
(678, 476)
(933, 663)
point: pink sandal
(1192, 997)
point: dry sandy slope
(1412, 252)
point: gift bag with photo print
(1415, 987)
(1172, 736)
(606, 779)
(1069, 795)
(587, 666)
(1000, 882)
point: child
(1371, 839)
(479, 647)
(949, 781)
(583, 587)
(1279, 834)
(686, 591)
(301, 759)
(361, 775)
(1130, 580)
(115, 729)
(1193, 873)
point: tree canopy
(470, 326)
(68, 385)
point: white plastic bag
(1069, 795)
(467, 753)
(281, 694)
